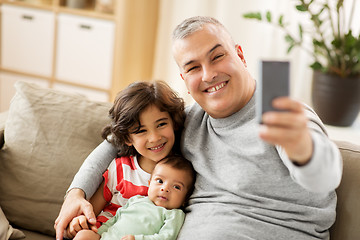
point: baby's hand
(128, 237)
(78, 223)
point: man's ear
(181, 76)
(240, 53)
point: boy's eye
(162, 124)
(159, 180)
(140, 131)
(177, 187)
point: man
(275, 181)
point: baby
(157, 215)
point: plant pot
(336, 100)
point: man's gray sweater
(244, 190)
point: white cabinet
(27, 38)
(85, 49)
(91, 94)
(7, 89)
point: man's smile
(216, 88)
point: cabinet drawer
(27, 39)
(85, 49)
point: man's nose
(208, 74)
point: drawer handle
(87, 27)
(27, 17)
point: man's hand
(74, 205)
(289, 130)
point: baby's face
(168, 186)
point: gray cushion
(48, 134)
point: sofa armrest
(3, 117)
(347, 222)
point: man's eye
(191, 69)
(218, 56)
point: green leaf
(301, 32)
(339, 4)
(316, 66)
(336, 43)
(280, 21)
(268, 16)
(302, 8)
(291, 46)
(253, 15)
(289, 39)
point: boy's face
(168, 186)
(155, 137)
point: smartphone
(273, 82)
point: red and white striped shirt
(123, 179)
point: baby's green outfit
(143, 219)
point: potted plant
(336, 57)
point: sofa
(45, 136)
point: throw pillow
(7, 231)
(48, 134)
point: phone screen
(273, 83)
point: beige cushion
(7, 231)
(347, 224)
(48, 134)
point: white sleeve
(89, 176)
(324, 171)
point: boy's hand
(288, 129)
(128, 237)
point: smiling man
(274, 183)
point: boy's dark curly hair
(131, 102)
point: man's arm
(313, 160)
(89, 176)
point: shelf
(349, 134)
(60, 7)
(46, 5)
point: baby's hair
(178, 162)
(131, 102)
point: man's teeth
(216, 88)
(158, 147)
